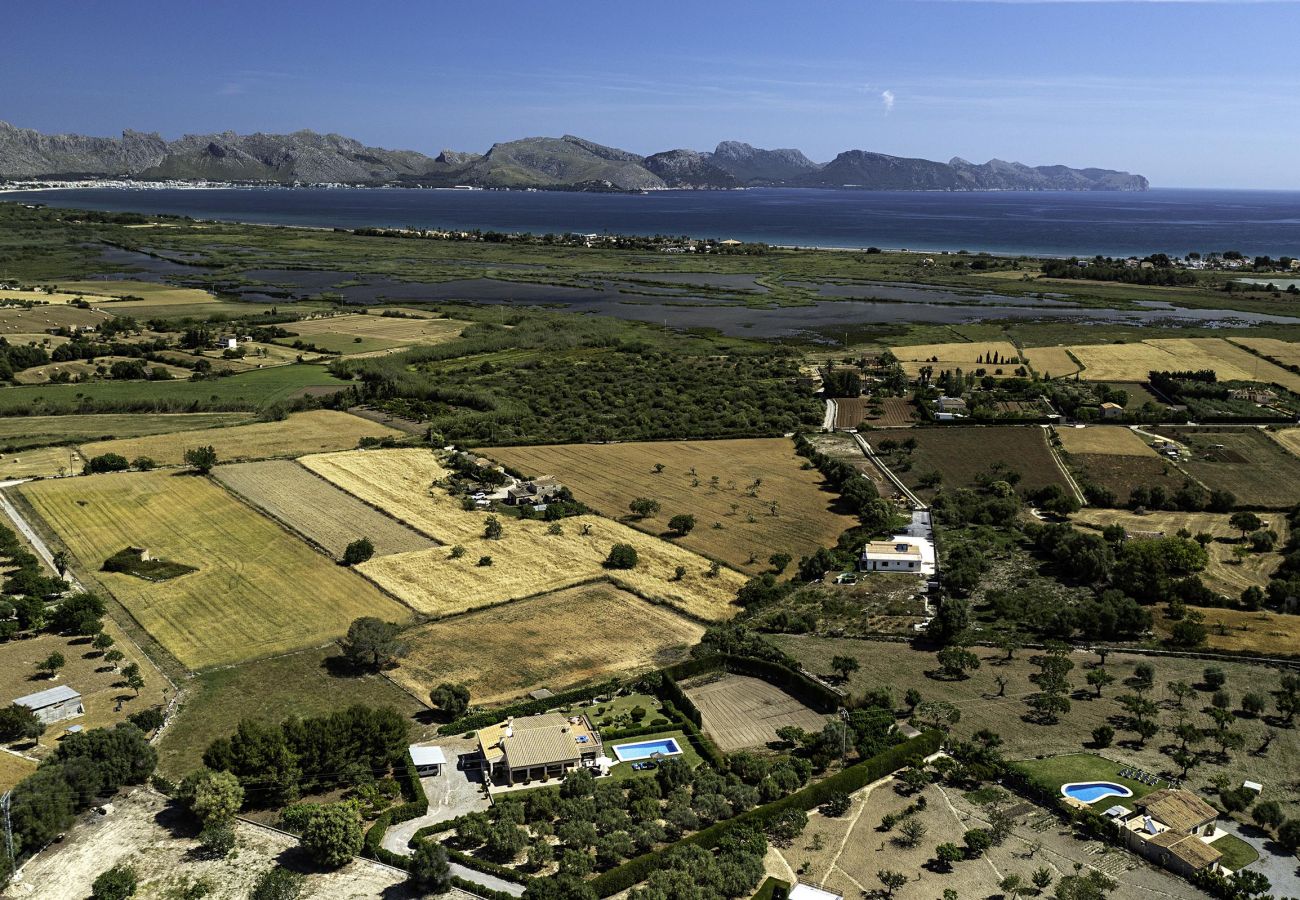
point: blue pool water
(1092, 791)
(647, 749)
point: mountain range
(564, 163)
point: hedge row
(484, 718)
(671, 692)
(417, 805)
(806, 690)
(853, 778)
(483, 865)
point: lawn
(268, 690)
(1051, 773)
(583, 634)
(525, 561)
(960, 454)
(1246, 461)
(731, 483)
(317, 431)
(1237, 854)
(625, 770)
(1224, 573)
(17, 431)
(258, 590)
(249, 391)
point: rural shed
(54, 704)
(428, 758)
(802, 891)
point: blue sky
(1195, 94)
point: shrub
(358, 552)
(621, 556)
(277, 884)
(117, 883)
(106, 462)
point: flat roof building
(891, 556)
(428, 759)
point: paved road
(1279, 868)
(42, 550)
(828, 423)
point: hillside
(564, 163)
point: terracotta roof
(1179, 810)
(1189, 848)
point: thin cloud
(887, 98)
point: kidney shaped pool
(1092, 791)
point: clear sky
(1190, 94)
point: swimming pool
(1092, 791)
(647, 749)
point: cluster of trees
(734, 869)
(855, 489)
(83, 768)
(1160, 271)
(276, 764)
(1191, 497)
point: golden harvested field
(316, 509)
(258, 590)
(376, 332)
(307, 432)
(35, 430)
(1286, 353)
(965, 355)
(40, 462)
(556, 640)
(100, 685)
(16, 320)
(55, 298)
(608, 477)
(741, 712)
(149, 293)
(526, 559)
(1114, 440)
(1053, 362)
(1133, 362)
(1251, 632)
(1288, 438)
(88, 369)
(1224, 573)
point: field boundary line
(879, 463)
(379, 509)
(1060, 464)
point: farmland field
(1285, 353)
(33, 431)
(1051, 362)
(741, 713)
(40, 462)
(316, 509)
(850, 412)
(960, 454)
(257, 590)
(1245, 631)
(17, 320)
(960, 354)
(608, 477)
(308, 432)
(1117, 459)
(87, 369)
(1223, 573)
(155, 299)
(249, 390)
(1103, 439)
(555, 640)
(1245, 461)
(527, 560)
(1133, 362)
(1288, 438)
(375, 332)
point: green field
(19, 432)
(250, 391)
(1247, 462)
(1055, 771)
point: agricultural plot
(963, 355)
(556, 641)
(959, 455)
(1051, 362)
(147, 298)
(88, 369)
(1245, 461)
(38, 319)
(369, 333)
(1224, 573)
(33, 431)
(40, 462)
(257, 356)
(309, 432)
(1240, 630)
(1109, 440)
(741, 713)
(54, 298)
(1288, 438)
(320, 512)
(1116, 459)
(258, 590)
(1284, 353)
(891, 412)
(1133, 362)
(732, 483)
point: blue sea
(1166, 220)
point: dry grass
(1286, 353)
(1112, 440)
(316, 509)
(1251, 632)
(608, 477)
(89, 369)
(1051, 362)
(13, 769)
(258, 590)
(527, 560)
(16, 320)
(154, 297)
(258, 356)
(961, 354)
(740, 712)
(376, 333)
(309, 432)
(54, 298)
(100, 685)
(1133, 362)
(41, 462)
(1223, 573)
(556, 640)
(1288, 438)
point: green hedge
(479, 890)
(483, 865)
(853, 778)
(484, 718)
(804, 689)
